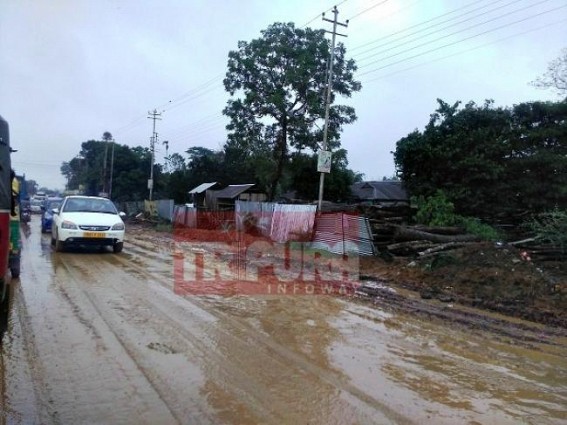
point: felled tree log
(408, 248)
(443, 247)
(407, 234)
(448, 230)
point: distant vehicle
(47, 213)
(36, 204)
(87, 220)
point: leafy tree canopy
(278, 83)
(490, 160)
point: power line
(547, 25)
(417, 25)
(453, 33)
(192, 94)
(440, 23)
(367, 10)
(319, 15)
(204, 123)
(456, 42)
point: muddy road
(100, 338)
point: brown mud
(485, 276)
(98, 337)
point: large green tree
(130, 171)
(490, 160)
(277, 83)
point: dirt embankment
(499, 278)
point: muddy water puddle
(102, 338)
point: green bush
(434, 210)
(475, 227)
(552, 227)
(438, 210)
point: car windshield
(90, 205)
(53, 204)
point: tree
(489, 160)
(278, 85)
(556, 75)
(131, 170)
(337, 184)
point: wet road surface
(100, 338)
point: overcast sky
(73, 69)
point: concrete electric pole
(324, 155)
(111, 171)
(155, 115)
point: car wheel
(58, 244)
(15, 268)
(117, 247)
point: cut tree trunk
(409, 234)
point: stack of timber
(539, 250)
(404, 240)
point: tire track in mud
(134, 302)
(25, 346)
(246, 332)
(69, 352)
(241, 336)
(482, 368)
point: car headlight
(118, 226)
(68, 225)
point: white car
(35, 205)
(87, 220)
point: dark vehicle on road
(9, 224)
(47, 213)
(5, 203)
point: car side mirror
(122, 214)
(55, 210)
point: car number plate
(94, 235)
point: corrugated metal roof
(232, 191)
(380, 190)
(202, 187)
(343, 233)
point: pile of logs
(540, 251)
(403, 240)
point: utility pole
(328, 101)
(111, 170)
(104, 167)
(155, 115)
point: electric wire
(455, 42)
(440, 23)
(453, 33)
(353, 49)
(367, 10)
(547, 25)
(319, 15)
